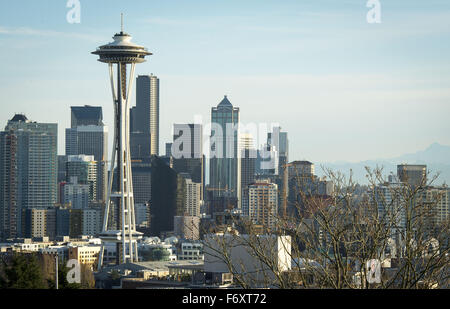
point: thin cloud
(25, 31)
(163, 21)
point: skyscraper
(225, 165)
(85, 116)
(248, 163)
(167, 196)
(413, 175)
(274, 154)
(28, 171)
(188, 152)
(89, 136)
(145, 117)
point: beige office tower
(248, 153)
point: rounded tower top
(121, 50)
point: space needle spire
(121, 53)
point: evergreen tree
(23, 272)
(62, 279)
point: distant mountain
(434, 154)
(436, 157)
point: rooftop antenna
(121, 22)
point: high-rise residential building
(75, 194)
(437, 199)
(263, 204)
(35, 223)
(145, 118)
(413, 175)
(391, 205)
(225, 166)
(193, 196)
(82, 169)
(187, 152)
(28, 171)
(92, 222)
(89, 136)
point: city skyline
(272, 114)
(307, 69)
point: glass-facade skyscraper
(224, 169)
(189, 158)
(89, 136)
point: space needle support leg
(129, 180)
(111, 170)
(121, 84)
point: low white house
(244, 255)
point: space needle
(121, 53)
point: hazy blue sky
(342, 88)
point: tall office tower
(187, 152)
(248, 163)
(267, 160)
(142, 180)
(413, 175)
(263, 204)
(121, 54)
(86, 116)
(28, 171)
(303, 185)
(89, 136)
(62, 160)
(82, 169)
(167, 198)
(145, 117)
(279, 141)
(225, 167)
(301, 169)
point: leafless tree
(346, 239)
